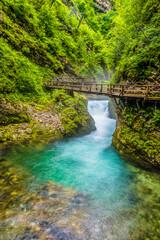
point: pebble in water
(79, 198)
(45, 224)
(60, 235)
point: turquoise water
(88, 164)
(117, 196)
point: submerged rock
(43, 194)
(53, 195)
(67, 214)
(60, 235)
(35, 215)
(27, 236)
(45, 224)
(79, 198)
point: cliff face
(137, 136)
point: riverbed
(78, 188)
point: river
(78, 188)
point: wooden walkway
(143, 92)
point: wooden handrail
(145, 92)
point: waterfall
(104, 125)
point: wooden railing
(146, 92)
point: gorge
(71, 168)
(100, 196)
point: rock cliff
(137, 136)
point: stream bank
(61, 116)
(137, 136)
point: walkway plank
(143, 92)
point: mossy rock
(13, 118)
(137, 136)
(75, 118)
(20, 122)
(12, 113)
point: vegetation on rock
(137, 136)
(60, 116)
(74, 117)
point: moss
(137, 137)
(75, 118)
(13, 118)
(70, 121)
(64, 115)
(11, 112)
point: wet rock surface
(137, 137)
(112, 109)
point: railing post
(101, 88)
(122, 90)
(110, 89)
(147, 90)
(144, 91)
(155, 109)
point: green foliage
(141, 119)
(156, 118)
(133, 40)
(13, 118)
(18, 74)
(40, 40)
